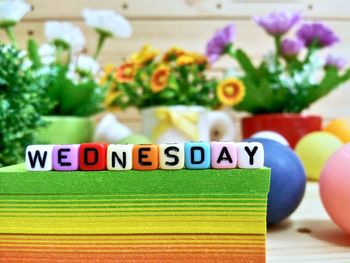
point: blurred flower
(173, 53)
(185, 60)
(199, 59)
(12, 11)
(109, 99)
(145, 55)
(65, 34)
(159, 78)
(106, 73)
(47, 54)
(335, 61)
(291, 48)
(86, 65)
(230, 92)
(125, 73)
(317, 34)
(277, 24)
(218, 44)
(108, 22)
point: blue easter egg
(288, 180)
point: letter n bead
(65, 157)
(171, 156)
(197, 155)
(119, 157)
(92, 156)
(223, 155)
(145, 156)
(39, 157)
(250, 155)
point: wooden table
(309, 235)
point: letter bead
(92, 156)
(197, 155)
(119, 156)
(39, 157)
(250, 155)
(171, 156)
(65, 157)
(145, 156)
(223, 155)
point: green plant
(290, 78)
(22, 102)
(177, 78)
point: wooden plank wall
(189, 23)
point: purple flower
(290, 48)
(335, 61)
(317, 33)
(217, 45)
(277, 24)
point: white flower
(87, 65)
(108, 22)
(12, 11)
(66, 33)
(47, 54)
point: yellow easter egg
(314, 150)
(340, 128)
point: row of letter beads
(172, 156)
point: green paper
(132, 182)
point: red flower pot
(292, 126)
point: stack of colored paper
(108, 216)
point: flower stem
(278, 48)
(101, 39)
(11, 35)
(229, 50)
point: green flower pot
(66, 130)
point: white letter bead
(250, 155)
(39, 157)
(171, 156)
(119, 156)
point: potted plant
(174, 95)
(73, 86)
(288, 80)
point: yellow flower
(230, 92)
(173, 53)
(145, 55)
(110, 96)
(107, 71)
(199, 59)
(125, 73)
(185, 60)
(159, 78)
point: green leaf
(246, 64)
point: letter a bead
(223, 155)
(65, 157)
(92, 156)
(119, 157)
(171, 156)
(39, 157)
(197, 155)
(145, 156)
(250, 155)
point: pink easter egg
(335, 187)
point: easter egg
(314, 149)
(335, 187)
(340, 128)
(135, 139)
(275, 136)
(288, 180)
